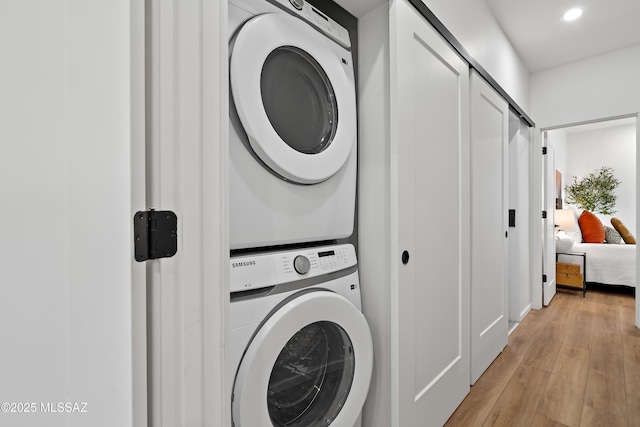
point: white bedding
(606, 263)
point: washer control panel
(262, 270)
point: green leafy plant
(595, 192)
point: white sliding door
(519, 230)
(489, 248)
(429, 222)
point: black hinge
(544, 150)
(544, 278)
(544, 214)
(155, 234)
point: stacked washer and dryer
(300, 347)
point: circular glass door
(311, 377)
(299, 100)
(294, 94)
(309, 364)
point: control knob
(301, 264)
(297, 4)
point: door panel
(549, 257)
(489, 250)
(519, 236)
(536, 225)
(72, 167)
(429, 155)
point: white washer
(293, 125)
(301, 349)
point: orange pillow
(591, 228)
(624, 232)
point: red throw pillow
(591, 228)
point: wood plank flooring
(573, 363)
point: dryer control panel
(318, 19)
(249, 272)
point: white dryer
(293, 125)
(301, 349)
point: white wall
(374, 166)
(595, 88)
(613, 147)
(478, 31)
(65, 197)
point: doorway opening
(582, 148)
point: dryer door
(295, 97)
(309, 364)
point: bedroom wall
(613, 147)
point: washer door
(309, 364)
(294, 96)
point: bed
(607, 264)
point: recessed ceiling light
(572, 14)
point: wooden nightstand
(568, 275)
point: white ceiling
(544, 40)
(540, 35)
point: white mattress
(606, 263)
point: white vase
(564, 243)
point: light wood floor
(573, 363)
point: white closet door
(489, 244)
(520, 234)
(429, 217)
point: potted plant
(595, 192)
